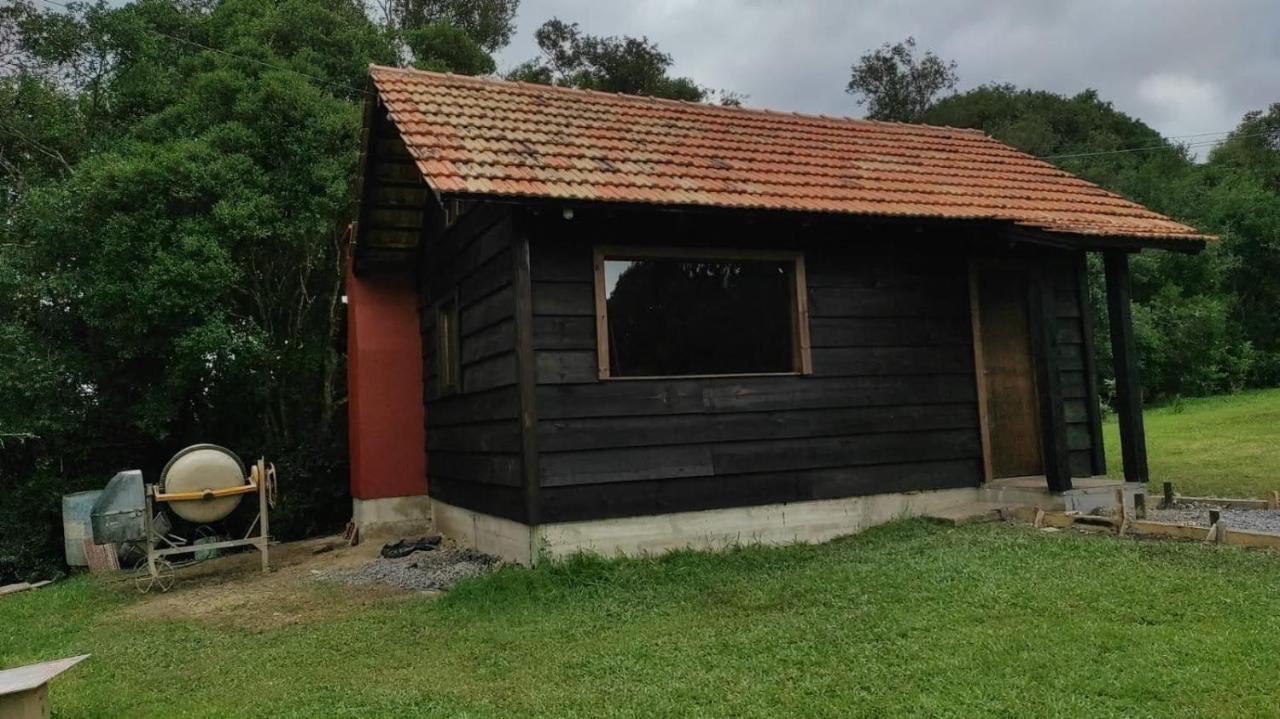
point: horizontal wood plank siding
(890, 406)
(473, 435)
(1062, 273)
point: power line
(1166, 146)
(193, 43)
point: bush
(1188, 345)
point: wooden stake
(1168, 495)
(1216, 530)
(1140, 505)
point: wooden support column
(1044, 345)
(1133, 439)
(527, 377)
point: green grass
(905, 620)
(1218, 446)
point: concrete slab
(968, 513)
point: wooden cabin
(591, 321)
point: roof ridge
(724, 109)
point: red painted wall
(384, 387)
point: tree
(449, 35)
(489, 24)
(628, 65)
(894, 85)
(1205, 323)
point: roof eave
(1190, 244)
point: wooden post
(527, 376)
(1168, 495)
(1140, 505)
(1133, 442)
(263, 511)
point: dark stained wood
(526, 363)
(584, 501)
(1133, 443)
(1044, 307)
(497, 500)
(681, 396)
(473, 437)
(496, 371)
(891, 387)
(564, 333)
(887, 331)
(1097, 456)
(1013, 410)
(479, 467)
(891, 406)
(980, 372)
(860, 361)
(640, 431)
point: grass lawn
(1220, 446)
(909, 619)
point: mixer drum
(198, 468)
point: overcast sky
(1182, 66)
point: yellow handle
(206, 493)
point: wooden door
(1012, 400)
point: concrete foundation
(500, 537)
(392, 515)
(1087, 494)
(772, 524)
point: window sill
(737, 375)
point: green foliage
(488, 24)
(1205, 323)
(1188, 345)
(172, 241)
(1223, 446)
(634, 66)
(444, 48)
(894, 85)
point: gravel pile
(1250, 520)
(431, 571)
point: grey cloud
(1184, 67)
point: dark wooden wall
(890, 406)
(394, 200)
(473, 436)
(1073, 332)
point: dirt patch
(233, 591)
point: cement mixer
(202, 484)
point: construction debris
(22, 587)
(434, 571)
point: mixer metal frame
(261, 480)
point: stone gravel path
(431, 571)
(1252, 520)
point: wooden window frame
(448, 337)
(801, 354)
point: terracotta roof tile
(492, 137)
